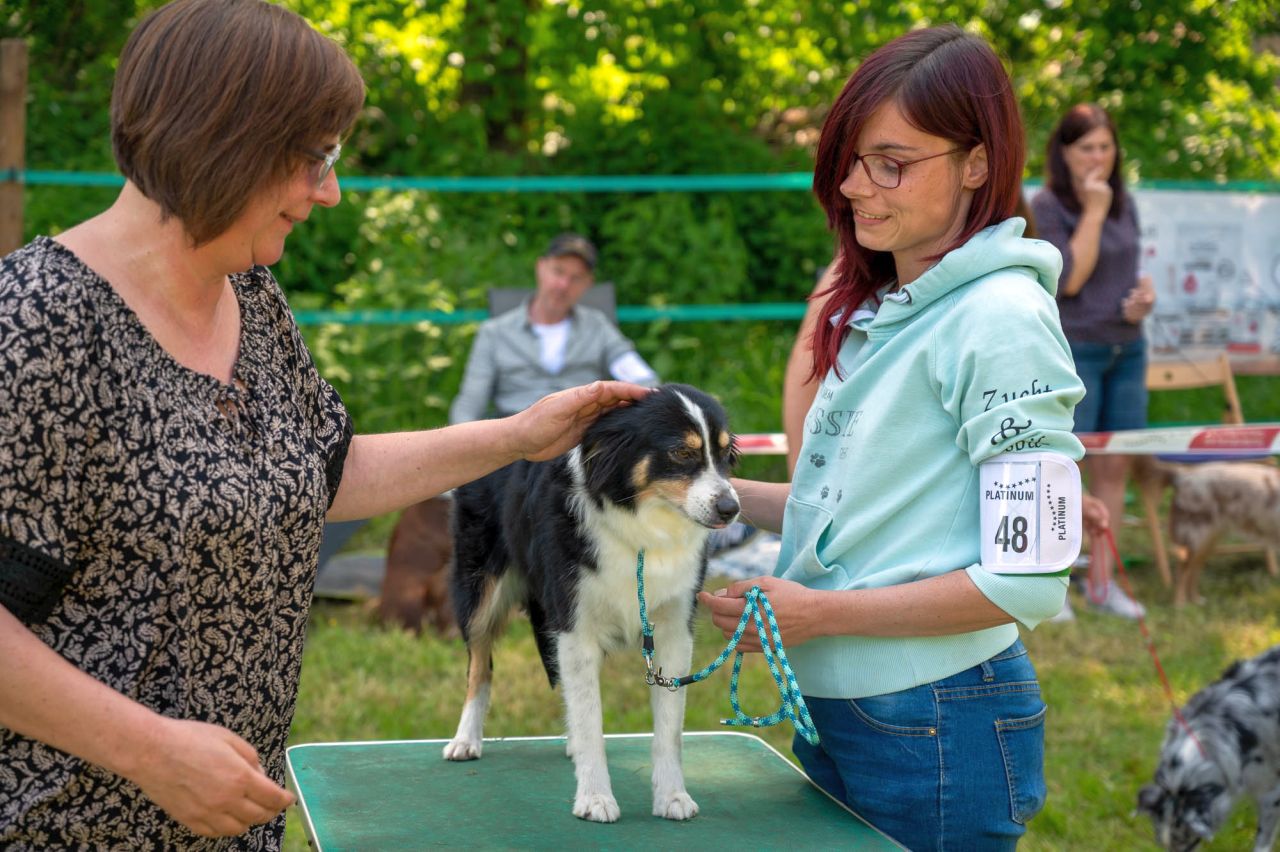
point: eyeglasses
(325, 161)
(886, 172)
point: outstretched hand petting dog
(555, 424)
(387, 472)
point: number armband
(1030, 513)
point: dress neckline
(234, 388)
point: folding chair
(600, 296)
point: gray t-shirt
(1093, 314)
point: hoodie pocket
(804, 527)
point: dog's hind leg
(481, 628)
(468, 742)
(673, 655)
(1187, 589)
(1268, 806)
(578, 660)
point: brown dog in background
(1209, 499)
(415, 588)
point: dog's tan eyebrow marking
(693, 440)
(724, 439)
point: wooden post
(13, 130)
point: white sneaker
(1116, 602)
(1064, 614)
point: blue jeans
(1115, 385)
(954, 764)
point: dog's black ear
(606, 449)
(1149, 798)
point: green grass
(1107, 708)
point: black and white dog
(561, 537)
(1236, 720)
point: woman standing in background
(1085, 211)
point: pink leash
(1151, 645)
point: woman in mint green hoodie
(938, 349)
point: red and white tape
(1251, 440)
(763, 444)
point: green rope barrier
(786, 181)
(626, 313)
(779, 182)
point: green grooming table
(519, 795)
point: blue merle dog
(1235, 750)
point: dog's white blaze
(707, 490)
(695, 413)
(704, 429)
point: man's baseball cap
(574, 244)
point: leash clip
(651, 677)
(655, 678)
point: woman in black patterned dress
(169, 454)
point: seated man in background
(547, 344)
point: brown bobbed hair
(1078, 121)
(217, 100)
(947, 83)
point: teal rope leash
(792, 707)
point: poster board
(1214, 257)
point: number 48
(1018, 540)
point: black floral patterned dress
(158, 528)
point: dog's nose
(727, 508)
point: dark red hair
(949, 84)
(1080, 120)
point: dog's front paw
(461, 748)
(597, 807)
(675, 805)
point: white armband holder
(1030, 513)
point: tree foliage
(613, 87)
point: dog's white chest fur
(607, 605)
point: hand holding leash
(788, 599)
(770, 642)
